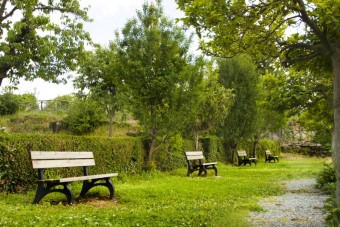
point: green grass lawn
(164, 199)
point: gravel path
(300, 206)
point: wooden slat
(210, 163)
(42, 164)
(81, 178)
(39, 155)
(241, 153)
(194, 155)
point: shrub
(326, 179)
(83, 117)
(9, 104)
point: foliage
(122, 154)
(30, 122)
(28, 102)
(272, 109)
(33, 45)
(60, 103)
(100, 75)
(84, 116)
(326, 179)
(212, 148)
(9, 104)
(267, 37)
(302, 34)
(154, 53)
(209, 103)
(240, 75)
(164, 199)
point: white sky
(108, 16)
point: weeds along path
(301, 205)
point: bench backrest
(194, 155)
(57, 159)
(241, 153)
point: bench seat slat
(44, 164)
(43, 155)
(81, 178)
(210, 163)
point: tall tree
(208, 102)
(240, 75)
(32, 45)
(154, 53)
(303, 34)
(99, 73)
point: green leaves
(34, 46)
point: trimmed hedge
(214, 150)
(122, 155)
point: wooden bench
(243, 159)
(50, 159)
(195, 162)
(269, 157)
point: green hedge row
(123, 155)
(214, 149)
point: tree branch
(305, 18)
(2, 11)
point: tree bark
(336, 108)
(196, 140)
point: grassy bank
(164, 199)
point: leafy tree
(100, 75)
(60, 103)
(84, 116)
(28, 102)
(303, 34)
(272, 111)
(154, 53)
(239, 74)
(33, 45)
(9, 103)
(208, 101)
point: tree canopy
(154, 53)
(304, 34)
(40, 39)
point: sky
(108, 16)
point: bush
(326, 179)
(84, 116)
(9, 104)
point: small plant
(326, 179)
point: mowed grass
(164, 199)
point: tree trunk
(152, 146)
(196, 140)
(336, 108)
(111, 124)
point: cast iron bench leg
(42, 191)
(87, 185)
(202, 169)
(215, 169)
